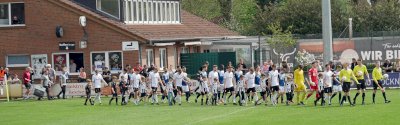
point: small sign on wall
(66, 45)
(130, 45)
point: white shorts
(281, 88)
(185, 88)
(337, 88)
(258, 88)
(221, 87)
(204, 89)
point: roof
(191, 27)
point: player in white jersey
(179, 77)
(320, 89)
(214, 90)
(202, 73)
(328, 78)
(289, 90)
(250, 83)
(143, 89)
(131, 78)
(337, 87)
(155, 80)
(274, 80)
(229, 85)
(241, 90)
(185, 84)
(213, 74)
(97, 79)
(204, 89)
(137, 80)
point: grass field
(73, 112)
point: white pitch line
(219, 116)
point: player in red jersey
(313, 80)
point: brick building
(36, 32)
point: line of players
(213, 87)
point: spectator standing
(63, 82)
(387, 66)
(353, 63)
(106, 75)
(82, 75)
(72, 66)
(398, 66)
(241, 62)
(27, 82)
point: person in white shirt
(250, 84)
(241, 90)
(131, 77)
(63, 82)
(179, 77)
(125, 76)
(97, 79)
(274, 81)
(328, 78)
(204, 89)
(155, 80)
(185, 84)
(137, 80)
(229, 85)
(214, 90)
(320, 89)
(202, 73)
(289, 90)
(213, 74)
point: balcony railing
(151, 11)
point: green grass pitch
(73, 112)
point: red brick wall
(38, 36)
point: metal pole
(350, 28)
(260, 49)
(327, 30)
(7, 93)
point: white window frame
(119, 9)
(166, 58)
(182, 48)
(107, 61)
(18, 65)
(10, 17)
(147, 57)
(67, 61)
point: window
(112, 60)
(149, 56)
(184, 50)
(12, 14)
(72, 61)
(18, 61)
(110, 7)
(163, 57)
(152, 11)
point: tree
(281, 40)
